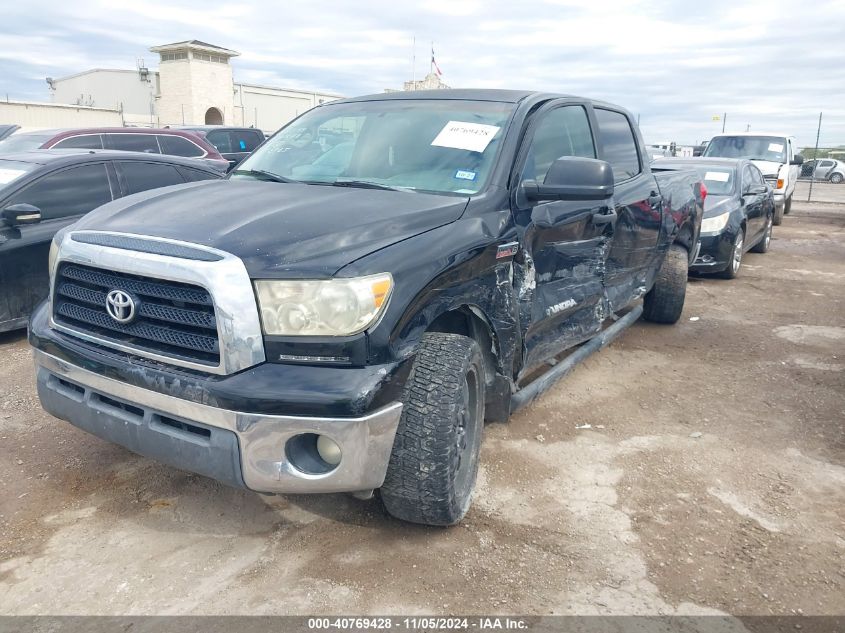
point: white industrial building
(193, 85)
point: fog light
(328, 450)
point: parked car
(233, 143)
(738, 212)
(698, 150)
(132, 139)
(824, 169)
(352, 330)
(43, 191)
(774, 154)
(8, 130)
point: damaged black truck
(344, 312)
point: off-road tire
(665, 301)
(734, 266)
(787, 206)
(763, 245)
(424, 482)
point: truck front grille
(172, 319)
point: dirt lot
(712, 479)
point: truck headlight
(330, 307)
(715, 224)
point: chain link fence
(822, 176)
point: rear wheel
(665, 301)
(836, 178)
(763, 245)
(736, 256)
(434, 462)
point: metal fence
(822, 176)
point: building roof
(197, 45)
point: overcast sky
(770, 64)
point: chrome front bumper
(217, 442)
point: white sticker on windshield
(775, 147)
(718, 176)
(474, 137)
(8, 175)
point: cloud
(766, 63)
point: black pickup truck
(346, 309)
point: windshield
(771, 148)
(11, 170)
(23, 142)
(439, 146)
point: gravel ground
(684, 470)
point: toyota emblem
(120, 306)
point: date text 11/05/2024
(481, 623)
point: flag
(434, 63)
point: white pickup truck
(773, 153)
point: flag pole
(414, 64)
(431, 63)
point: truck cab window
(562, 132)
(618, 143)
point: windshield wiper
(366, 184)
(269, 175)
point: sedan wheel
(763, 245)
(736, 257)
(836, 179)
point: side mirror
(573, 178)
(797, 160)
(22, 213)
(755, 190)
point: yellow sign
(716, 117)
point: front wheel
(665, 301)
(778, 218)
(434, 462)
(787, 206)
(735, 260)
(837, 178)
(763, 245)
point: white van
(773, 153)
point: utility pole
(724, 118)
(815, 157)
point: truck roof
(784, 134)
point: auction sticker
(718, 176)
(775, 147)
(474, 137)
(8, 175)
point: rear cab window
(619, 145)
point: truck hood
(768, 167)
(279, 229)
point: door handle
(654, 199)
(608, 217)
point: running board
(531, 392)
